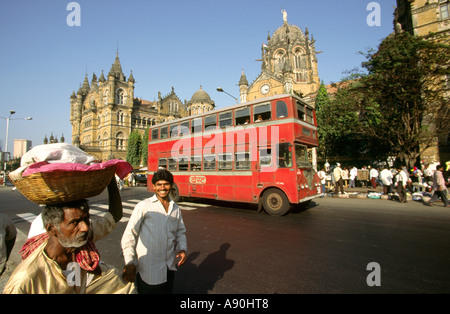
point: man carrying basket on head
(70, 238)
(64, 259)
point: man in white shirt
(401, 181)
(353, 175)
(154, 239)
(386, 178)
(373, 177)
(323, 179)
(337, 173)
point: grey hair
(54, 214)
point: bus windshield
(301, 156)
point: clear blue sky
(179, 43)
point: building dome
(201, 96)
(287, 33)
(200, 102)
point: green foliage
(398, 106)
(144, 147)
(134, 152)
(403, 94)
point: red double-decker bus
(254, 152)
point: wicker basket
(63, 186)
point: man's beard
(77, 242)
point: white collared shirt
(152, 238)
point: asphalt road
(326, 249)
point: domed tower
(200, 102)
(289, 64)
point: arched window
(120, 141)
(105, 139)
(119, 97)
(300, 65)
(280, 56)
(105, 96)
(120, 117)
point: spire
(116, 68)
(102, 78)
(131, 78)
(85, 88)
(243, 80)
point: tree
(134, 148)
(403, 100)
(144, 147)
(337, 119)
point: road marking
(187, 208)
(29, 217)
(194, 204)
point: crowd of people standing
(393, 180)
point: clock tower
(289, 65)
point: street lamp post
(220, 89)
(11, 112)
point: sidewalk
(377, 193)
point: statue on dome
(284, 15)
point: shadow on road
(191, 278)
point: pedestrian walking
(439, 187)
(323, 179)
(401, 181)
(154, 241)
(386, 179)
(339, 182)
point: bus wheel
(174, 193)
(275, 202)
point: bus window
(196, 125)
(210, 122)
(225, 161)
(225, 119)
(163, 132)
(284, 155)
(242, 161)
(183, 163)
(209, 162)
(309, 115)
(261, 113)
(301, 156)
(196, 163)
(184, 128)
(155, 134)
(172, 164)
(265, 157)
(162, 163)
(282, 111)
(173, 130)
(242, 116)
(301, 111)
